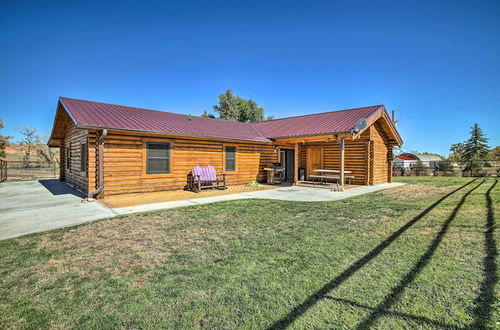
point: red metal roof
(315, 124)
(104, 115)
(405, 158)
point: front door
(314, 158)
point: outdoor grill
(275, 173)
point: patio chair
(206, 178)
(220, 183)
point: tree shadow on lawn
(486, 296)
(361, 262)
(416, 269)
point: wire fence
(474, 168)
(20, 170)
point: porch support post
(342, 174)
(296, 164)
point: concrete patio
(28, 207)
(34, 206)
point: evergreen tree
(476, 150)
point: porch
(327, 161)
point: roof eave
(51, 138)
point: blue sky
(436, 63)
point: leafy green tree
(457, 151)
(495, 153)
(233, 107)
(476, 150)
(3, 140)
(207, 114)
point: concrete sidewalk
(28, 207)
(295, 193)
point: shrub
(444, 166)
(397, 169)
(419, 168)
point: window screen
(83, 159)
(158, 158)
(230, 154)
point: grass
(423, 255)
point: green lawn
(420, 256)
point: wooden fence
(3, 170)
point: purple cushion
(212, 174)
(198, 171)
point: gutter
(100, 155)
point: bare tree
(51, 155)
(29, 142)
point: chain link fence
(34, 170)
(475, 168)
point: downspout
(100, 156)
(342, 162)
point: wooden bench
(337, 177)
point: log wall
(368, 158)
(381, 154)
(124, 162)
(74, 176)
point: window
(230, 158)
(68, 157)
(83, 157)
(157, 158)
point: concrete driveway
(33, 206)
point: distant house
(109, 149)
(404, 161)
(428, 160)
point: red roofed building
(404, 161)
(111, 149)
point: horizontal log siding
(380, 155)
(75, 177)
(123, 162)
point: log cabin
(108, 149)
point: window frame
(68, 157)
(224, 146)
(84, 160)
(144, 171)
